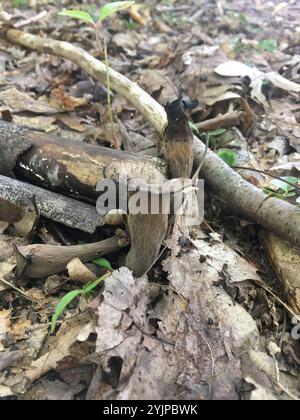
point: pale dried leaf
(17, 101)
(79, 272)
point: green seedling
(269, 45)
(18, 4)
(281, 189)
(228, 156)
(103, 263)
(106, 11)
(214, 133)
(85, 292)
(217, 132)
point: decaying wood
(279, 217)
(286, 264)
(229, 120)
(38, 261)
(69, 167)
(15, 145)
(54, 206)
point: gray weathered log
(68, 167)
(54, 206)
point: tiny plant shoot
(106, 11)
(84, 292)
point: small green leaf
(61, 306)
(281, 196)
(193, 127)
(228, 156)
(77, 14)
(92, 285)
(103, 263)
(114, 7)
(281, 185)
(217, 132)
(268, 45)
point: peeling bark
(55, 207)
(66, 166)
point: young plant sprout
(106, 11)
(85, 292)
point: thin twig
(12, 286)
(268, 174)
(287, 307)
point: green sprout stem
(109, 111)
(108, 95)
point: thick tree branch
(68, 167)
(231, 119)
(55, 207)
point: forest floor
(215, 52)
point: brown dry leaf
(219, 93)
(105, 133)
(73, 122)
(39, 123)
(79, 272)
(61, 100)
(128, 41)
(19, 329)
(139, 14)
(26, 226)
(159, 85)
(122, 329)
(52, 284)
(186, 348)
(161, 26)
(3, 226)
(17, 101)
(6, 246)
(291, 168)
(59, 348)
(5, 391)
(9, 212)
(283, 116)
(5, 322)
(47, 390)
(5, 269)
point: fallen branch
(55, 207)
(66, 166)
(276, 215)
(229, 120)
(286, 265)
